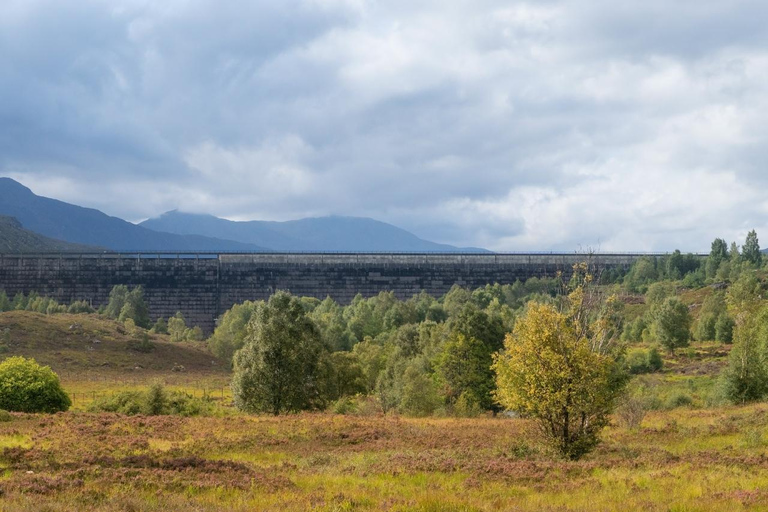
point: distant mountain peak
(331, 233)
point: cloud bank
(547, 125)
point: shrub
(155, 401)
(639, 361)
(80, 307)
(141, 342)
(26, 386)
(160, 327)
(632, 411)
(5, 340)
(468, 406)
(344, 405)
(655, 363)
(5, 416)
(679, 400)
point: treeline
(723, 264)
(416, 356)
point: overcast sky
(630, 125)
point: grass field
(683, 459)
(699, 456)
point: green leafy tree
(751, 250)
(329, 319)
(717, 255)
(475, 323)
(672, 324)
(124, 304)
(455, 300)
(5, 303)
(658, 292)
(745, 379)
(229, 335)
(419, 393)
(464, 368)
(177, 328)
(26, 386)
(277, 369)
(724, 328)
(160, 327)
(343, 375)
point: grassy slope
(85, 345)
(15, 239)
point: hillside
(15, 239)
(333, 234)
(75, 224)
(89, 343)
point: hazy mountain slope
(313, 234)
(15, 239)
(63, 221)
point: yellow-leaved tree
(559, 367)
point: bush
(467, 406)
(679, 400)
(160, 327)
(5, 340)
(632, 411)
(5, 416)
(141, 342)
(26, 386)
(641, 361)
(344, 405)
(156, 401)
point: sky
(514, 126)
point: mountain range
(333, 234)
(177, 231)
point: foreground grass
(714, 459)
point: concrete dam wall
(204, 286)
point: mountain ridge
(176, 231)
(76, 224)
(312, 234)
(14, 239)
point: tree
(658, 292)
(5, 303)
(561, 374)
(277, 369)
(124, 304)
(26, 386)
(717, 255)
(343, 375)
(751, 250)
(329, 319)
(745, 379)
(672, 324)
(229, 335)
(177, 327)
(419, 396)
(465, 367)
(475, 323)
